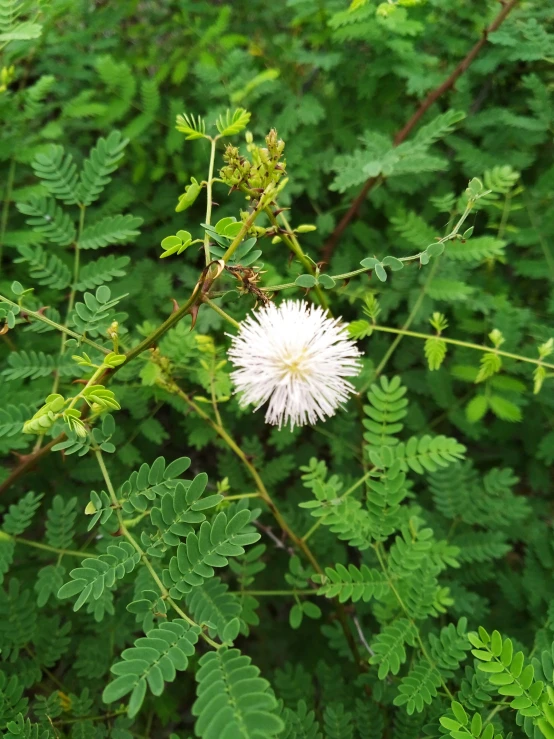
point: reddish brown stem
(405, 131)
(29, 461)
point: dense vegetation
(173, 566)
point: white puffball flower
(296, 357)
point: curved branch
(404, 132)
(29, 461)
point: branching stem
(45, 547)
(378, 552)
(350, 490)
(172, 387)
(469, 345)
(58, 326)
(146, 562)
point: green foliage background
(386, 574)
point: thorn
(40, 311)
(175, 305)
(79, 382)
(22, 458)
(4, 330)
(194, 314)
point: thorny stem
(131, 539)
(156, 335)
(173, 319)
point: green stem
(52, 677)
(172, 387)
(209, 186)
(241, 496)
(346, 275)
(505, 216)
(413, 313)
(156, 335)
(58, 326)
(263, 492)
(234, 245)
(213, 392)
(71, 301)
(294, 245)
(401, 603)
(350, 490)
(102, 717)
(275, 592)
(409, 320)
(469, 345)
(129, 523)
(90, 382)
(536, 226)
(146, 562)
(6, 207)
(76, 266)
(221, 312)
(45, 547)
(495, 710)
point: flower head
(296, 357)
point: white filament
(295, 357)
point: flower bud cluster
(264, 167)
